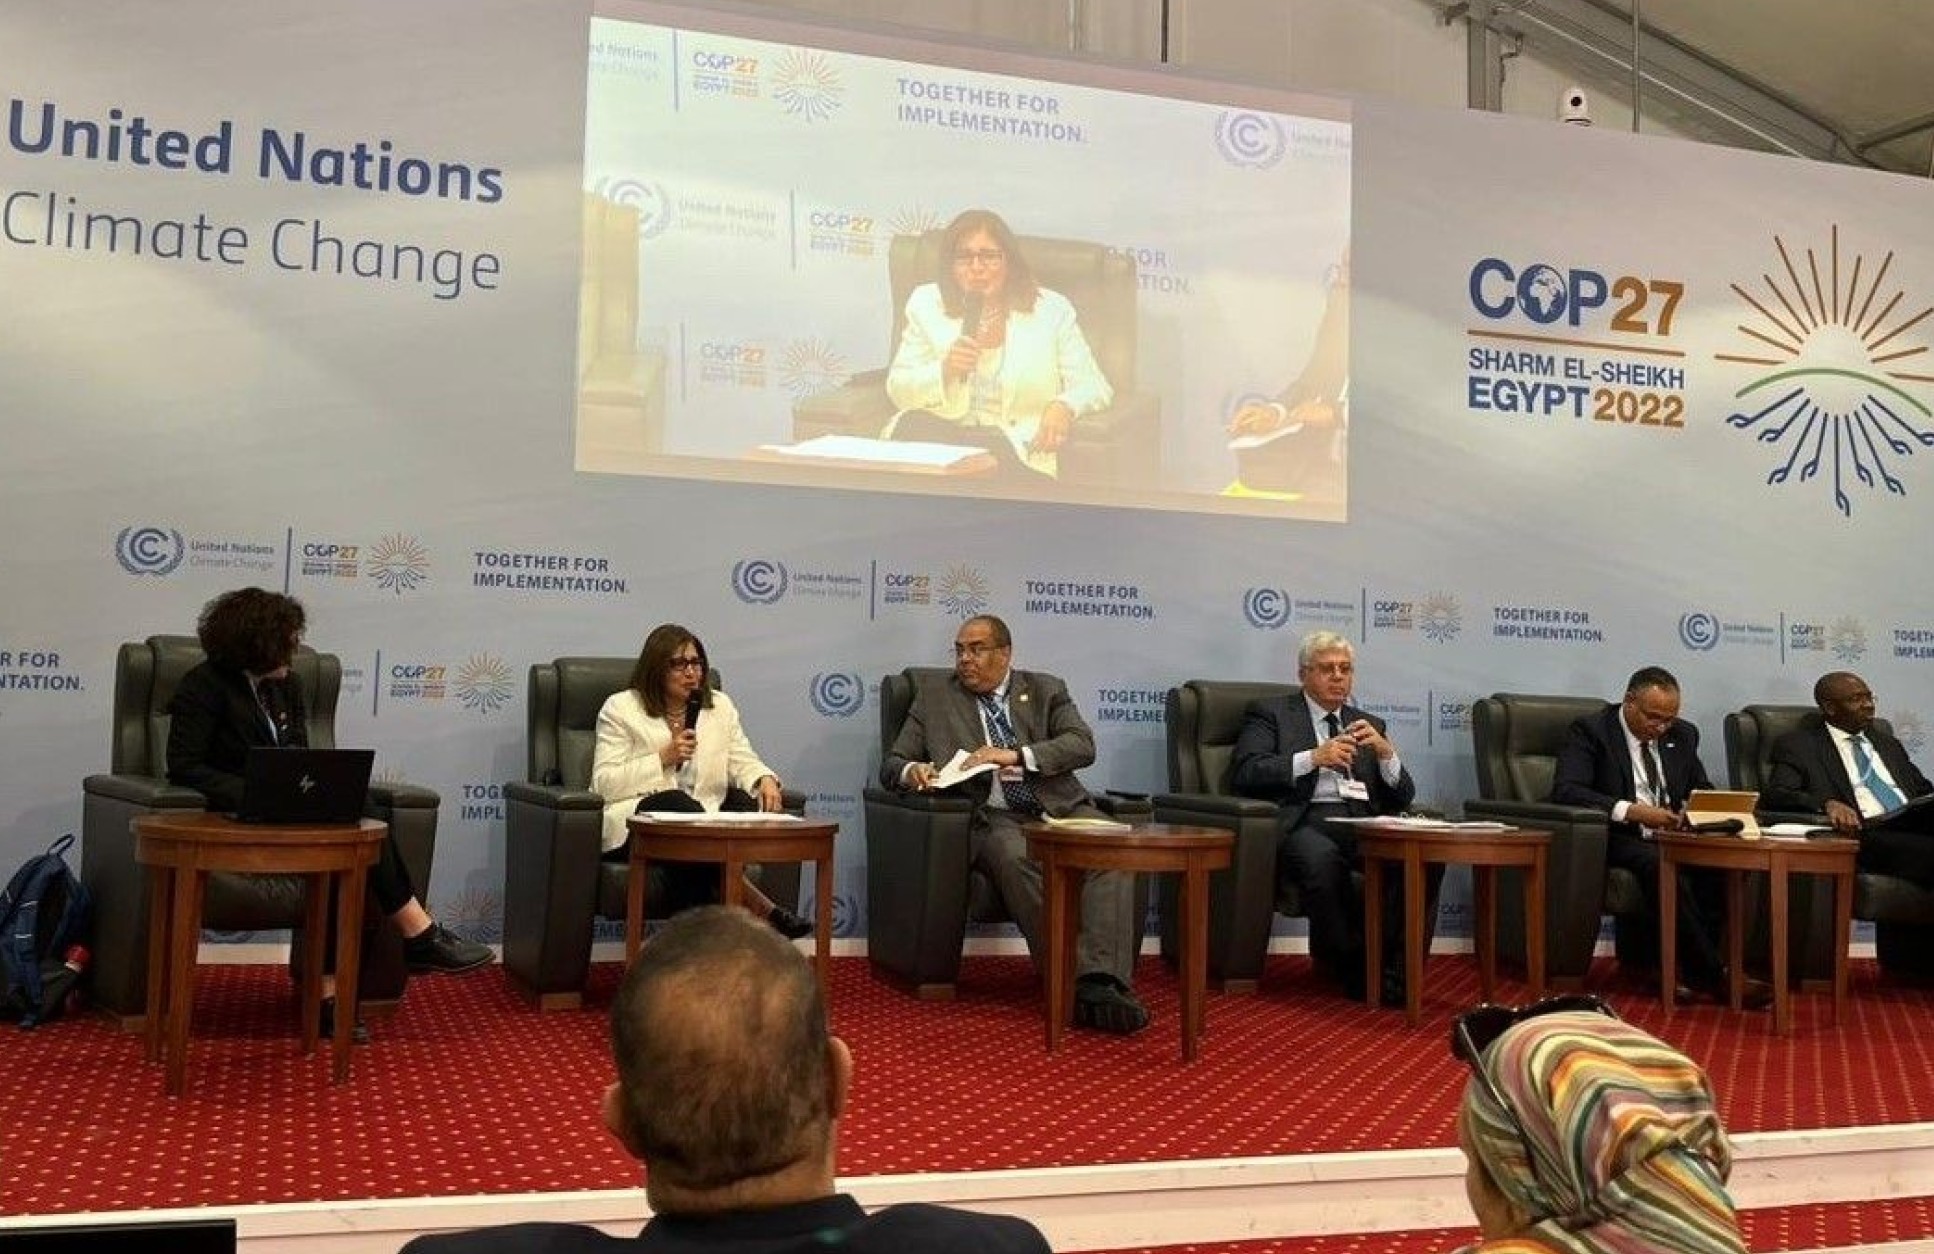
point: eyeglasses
(986, 256)
(1475, 1031)
(976, 649)
(686, 664)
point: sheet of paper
(723, 818)
(957, 770)
(1081, 823)
(888, 452)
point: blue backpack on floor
(43, 910)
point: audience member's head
(252, 630)
(728, 1083)
(1586, 1134)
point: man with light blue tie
(1846, 765)
(1024, 724)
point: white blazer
(1045, 359)
(625, 765)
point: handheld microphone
(693, 704)
(972, 305)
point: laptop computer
(304, 785)
(1708, 808)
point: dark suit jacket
(213, 722)
(945, 717)
(828, 1224)
(1274, 731)
(1595, 769)
(1805, 771)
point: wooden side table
(180, 848)
(734, 844)
(1484, 852)
(1829, 856)
(1066, 853)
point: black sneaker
(437, 948)
(1106, 1006)
(358, 1034)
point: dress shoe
(1756, 994)
(358, 1034)
(1392, 991)
(437, 948)
(788, 924)
(1106, 1006)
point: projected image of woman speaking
(990, 357)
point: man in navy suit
(1318, 757)
(1842, 763)
(729, 1092)
(1637, 761)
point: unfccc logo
(1698, 631)
(1267, 609)
(759, 580)
(1254, 140)
(837, 694)
(149, 550)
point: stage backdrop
(294, 302)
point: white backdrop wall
(177, 426)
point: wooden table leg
(1372, 932)
(161, 917)
(1484, 926)
(1736, 941)
(184, 940)
(1842, 925)
(350, 886)
(823, 919)
(1668, 927)
(1054, 878)
(315, 938)
(732, 881)
(1195, 954)
(635, 902)
(1413, 934)
(1534, 923)
(1777, 903)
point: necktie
(1653, 780)
(272, 711)
(1334, 724)
(1885, 793)
(1018, 793)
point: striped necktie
(1018, 793)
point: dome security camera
(1574, 106)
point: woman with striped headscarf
(1588, 1136)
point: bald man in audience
(730, 1092)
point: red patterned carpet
(466, 1091)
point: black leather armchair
(145, 675)
(921, 890)
(556, 883)
(1203, 718)
(1113, 447)
(1517, 738)
(1902, 912)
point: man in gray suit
(1025, 725)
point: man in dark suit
(1318, 757)
(729, 1092)
(1843, 764)
(1637, 761)
(1024, 725)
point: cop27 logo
(484, 684)
(837, 694)
(806, 84)
(149, 550)
(759, 580)
(1267, 609)
(1840, 363)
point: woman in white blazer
(670, 742)
(1016, 378)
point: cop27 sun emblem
(1842, 370)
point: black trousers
(1701, 909)
(684, 885)
(1320, 861)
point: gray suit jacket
(946, 717)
